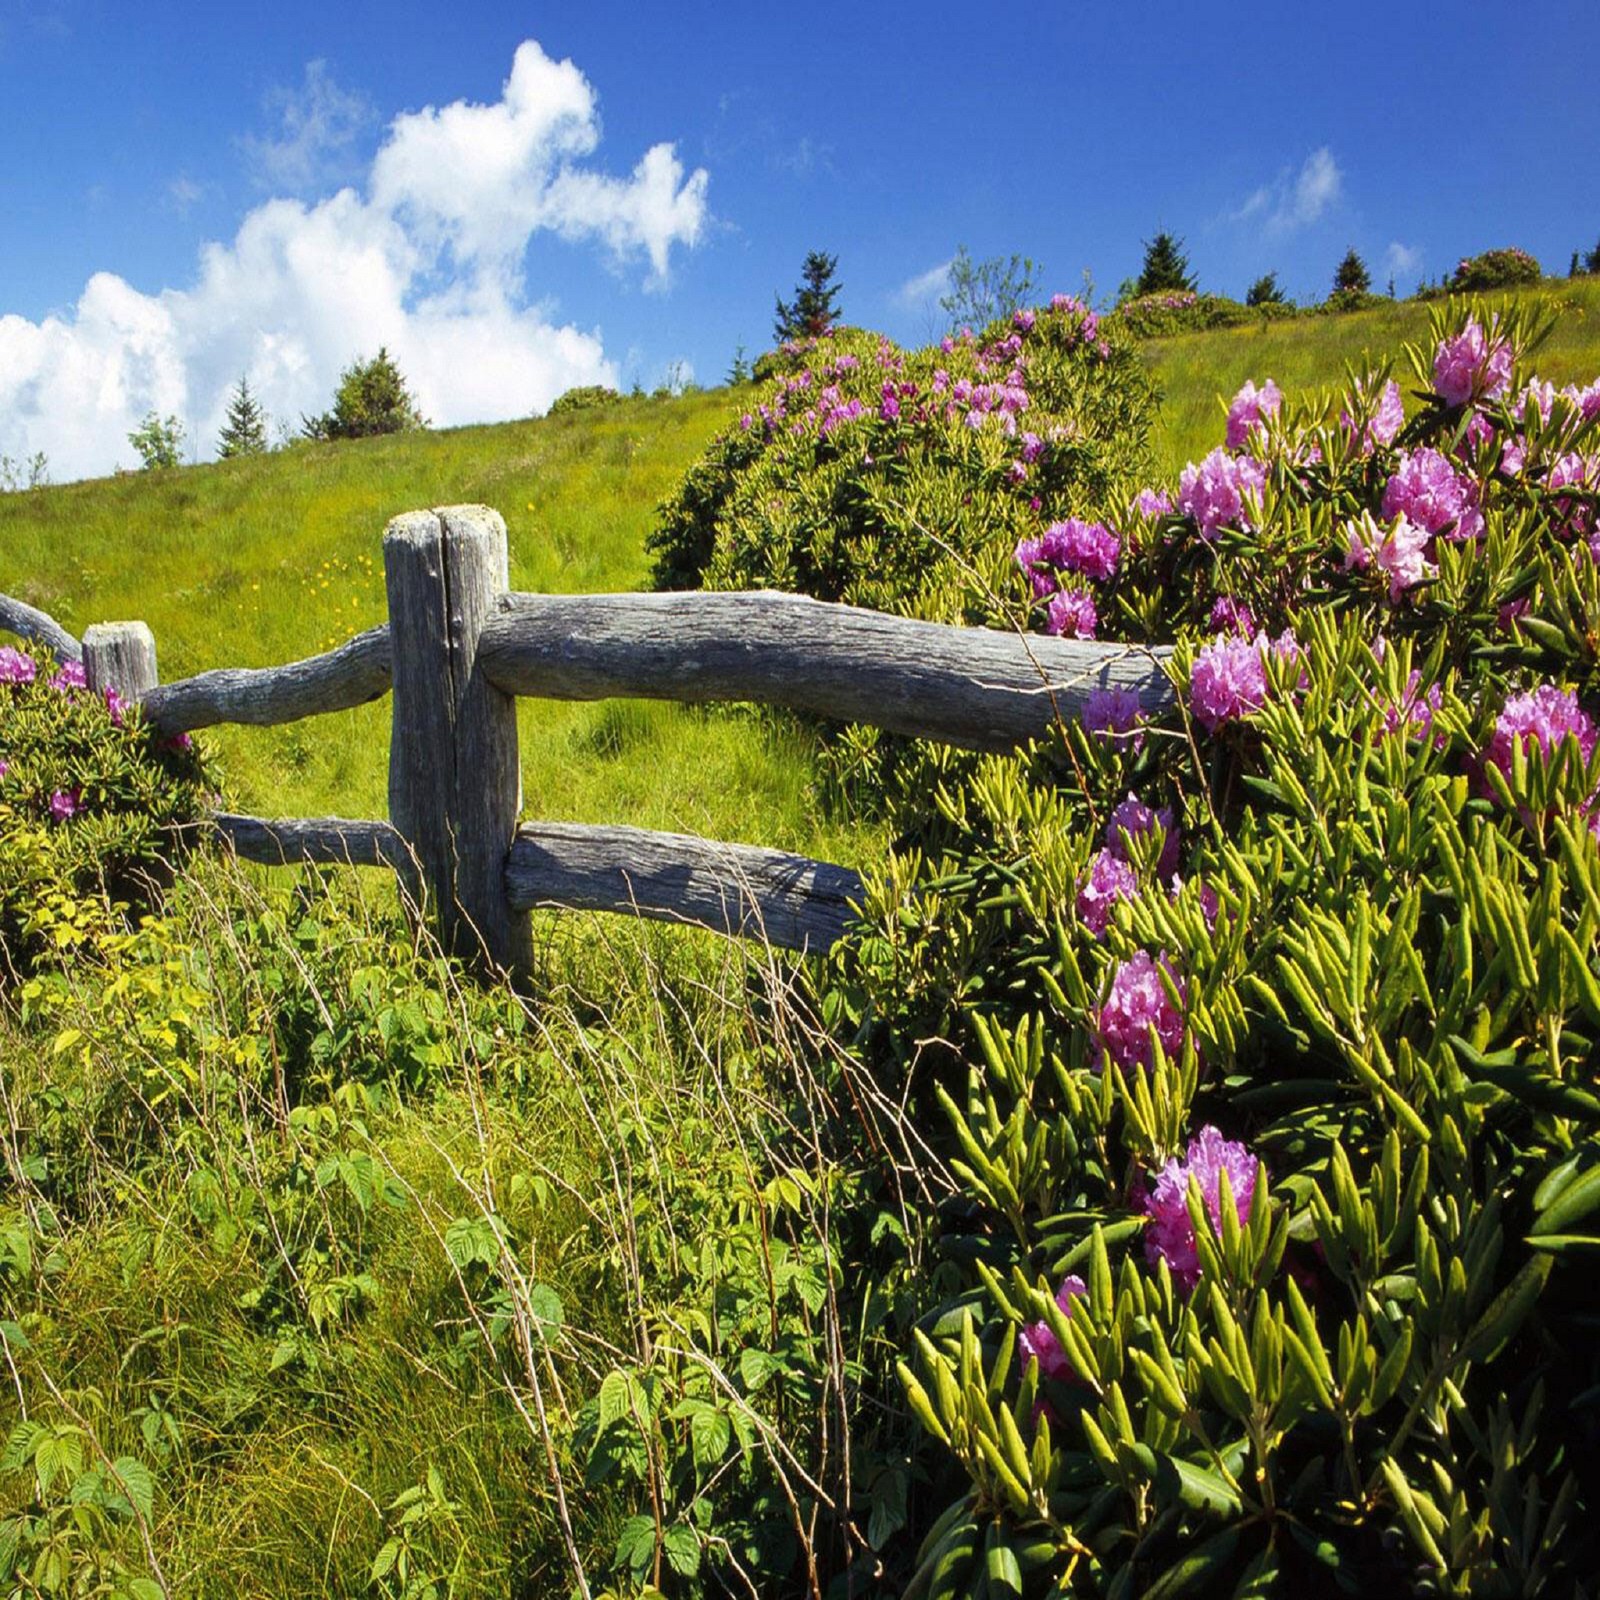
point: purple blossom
(70, 677)
(1071, 614)
(1574, 518)
(1170, 1234)
(1108, 880)
(1587, 399)
(1228, 681)
(1133, 819)
(1087, 547)
(15, 666)
(1416, 711)
(1115, 714)
(1469, 365)
(1546, 716)
(1426, 490)
(1032, 447)
(1233, 616)
(115, 706)
(1251, 409)
(1152, 503)
(1036, 1341)
(1400, 553)
(1388, 418)
(1024, 320)
(1136, 1002)
(1214, 492)
(65, 803)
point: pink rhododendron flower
(1152, 503)
(1387, 419)
(1400, 553)
(1586, 399)
(1087, 547)
(1215, 491)
(1232, 616)
(69, 676)
(1108, 880)
(1416, 710)
(1133, 819)
(15, 666)
(1427, 490)
(1115, 713)
(64, 803)
(1574, 518)
(1250, 410)
(1470, 365)
(1036, 1342)
(115, 706)
(1544, 717)
(1136, 1002)
(1023, 319)
(1539, 393)
(1169, 1236)
(1229, 680)
(1071, 614)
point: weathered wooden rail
(460, 647)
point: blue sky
(519, 197)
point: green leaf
(1507, 1310)
(682, 1548)
(1003, 1570)
(137, 1483)
(1572, 1202)
(636, 1545)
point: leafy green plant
(583, 398)
(159, 441)
(1494, 269)
(372, 398)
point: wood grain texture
(739, 889)
(120, 656)
(28, 622)
(455, 782)
(358, 671)
(333, 840)
(975, 687)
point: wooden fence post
(455, 783)
(120, 656)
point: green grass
(1199, 372)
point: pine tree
(814, 308)
(1352, 276)
(245, 431)
(1166, 267)
(1265, 292)
(371, 398)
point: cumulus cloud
(927, 286)
(1295, 199)
(426, 259)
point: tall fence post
(455, 784)
(120, 656)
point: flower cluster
(1217, 492)
(1250, 411)
(1169, 1235)
(1400, 552)
(1036, 1341)
(1427, 490)
(1543, 717)
(1229, 678)
(16, 666)
(1137, 1007)
(1472, 365)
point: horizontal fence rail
(974, 687)
(459, 648)
(338, 680)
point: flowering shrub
(1274, 1091)
(1494, 269)
(91, 805)
(1154, 316)
(905, 480)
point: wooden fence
(459, 647)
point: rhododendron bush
(1267, 1029)
(92, 806)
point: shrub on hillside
(583, 398)
(1494, 269)
(1154, 316)
(372, 398)
(1271, 1064)
(92, 806)
(902, 480)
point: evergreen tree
(1591, 262)
(1265, 292)
(371, 398)
(814, 308)
(245, 431)
(739, 372)
(1166, 267)
(1352, 276)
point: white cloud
(427, 261)
(183, 192)
(320, 124)
(1295, 199)
(1402, 259)
(926, 287)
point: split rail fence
(460, 646)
